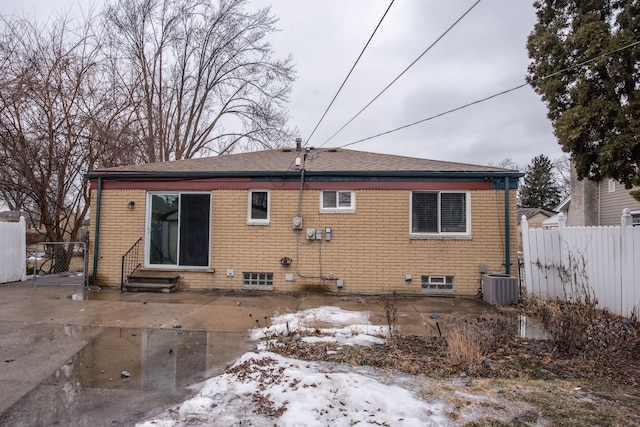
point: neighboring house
(84, 230)
(613, 198)
(562, 208)
(302, 220)
(535, 218)
(32, 222)
(598, 203)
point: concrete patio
(44, 327)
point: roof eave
(309, 174)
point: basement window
(437, 284)
(257, 281)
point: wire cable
(349, 74)
(504, 92)
(403, 72)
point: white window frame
(635, 218)
(612, 186)
(440, 234)
(258, 221)
(338, 209)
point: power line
(504, 92)
(436, 116)
(402, 73)
(349, 74)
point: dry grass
(566, 323)
(586, 373)
(464, 349)
(581, 329)
(391, 313)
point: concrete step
(150, 287)
(152, 281)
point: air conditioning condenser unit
(499, 289)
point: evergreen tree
(586, 67)
(540, 189)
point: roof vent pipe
(298, 144)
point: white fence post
(629, 295)
(562, 221)
(526, 254)
(561, 261)
(13, 249)
(22, 251)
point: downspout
(97, 236)
(507, 231)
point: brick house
(291, 219)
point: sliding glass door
(178, 229)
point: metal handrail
(130, 262)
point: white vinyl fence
(571, 263)
(13, 247)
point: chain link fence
(57, 263)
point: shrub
(579, 328)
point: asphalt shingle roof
(319, 160)
(531, 212)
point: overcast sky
(484, 54)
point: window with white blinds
(332, 201)
(439, 212)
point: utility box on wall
(499, 289)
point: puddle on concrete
(80, 296)
(154, 359)
(83, 295)
(124, 375)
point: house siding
(612, 203)
(370, 250)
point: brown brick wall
(370, 250)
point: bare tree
(562, 168)
(506, 163)
(509, 163)
(56, 122)
(202, 76)
(164, 79)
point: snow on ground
(265, 389)
(335, 325)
